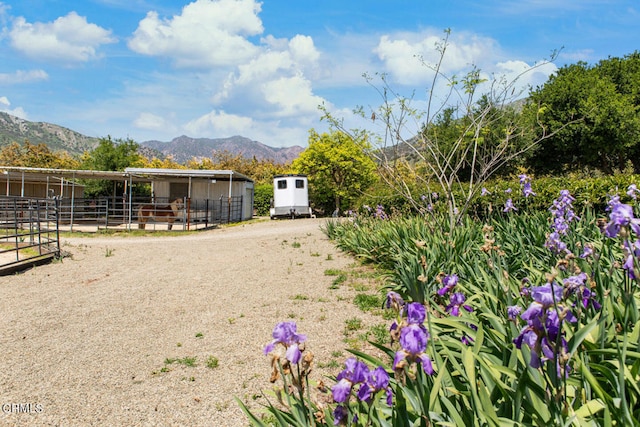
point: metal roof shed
(198, 184)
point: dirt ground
(88, 341)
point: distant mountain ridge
(57, 138)
(181, 149)
(184, 148)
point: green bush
(262, 196)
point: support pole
(130, 201)
(73, 195)
(229, 198)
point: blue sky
(158, 69)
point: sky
(159, 69)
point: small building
(290, 197)
(216, 186)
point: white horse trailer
(290, 196)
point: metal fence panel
(29, 231)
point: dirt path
(85, 341)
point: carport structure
(210, 197)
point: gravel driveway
(87, 341)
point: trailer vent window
(299, 183)
(282, 184)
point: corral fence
(84, 214)
(29, 232)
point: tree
(35, 156)
(603, 103)
(487, 135)
(338, 167)
(110, 155)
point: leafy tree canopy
(35, 156)
(338, 167)
(595, 112)
(112, 155)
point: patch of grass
(329, 257)
(337, 353)
(330, 364)
(299, 297)
(333, 272)
(367, 302)
(108, 252)
(352, 325)
(296, 245)
(188, 361)
(380, 333)
(338, 281)
(179, 344)
(212, 362)
(199, 335)
(291, 315)
(315, 254)
(388, 314)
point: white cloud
(293, 96)
(276, 82)
(577, 55)
(68, 38)
(521, 76)
(409, 58)
(208, 33)
(23, 76)
(149, 121)
(220, 123)
(4, 107)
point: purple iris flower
(632, 191)
(632, 254)
(509, 206)
(555, 244)
(377, 380)
(513, 311)
(548, 294)
(394, 300)
(508, 190)
(621, 215)
(340, 415)
(413, 340)
(416, 313)
(587, 252)
(285, 333)
(527, 191)
(544, 318)
(525, 182)
(484, 192)
(449, 282)
(563, 214)
(380, 213)
(355, 372)
(457, 300)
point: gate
(29, 232)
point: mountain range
(181, 149)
